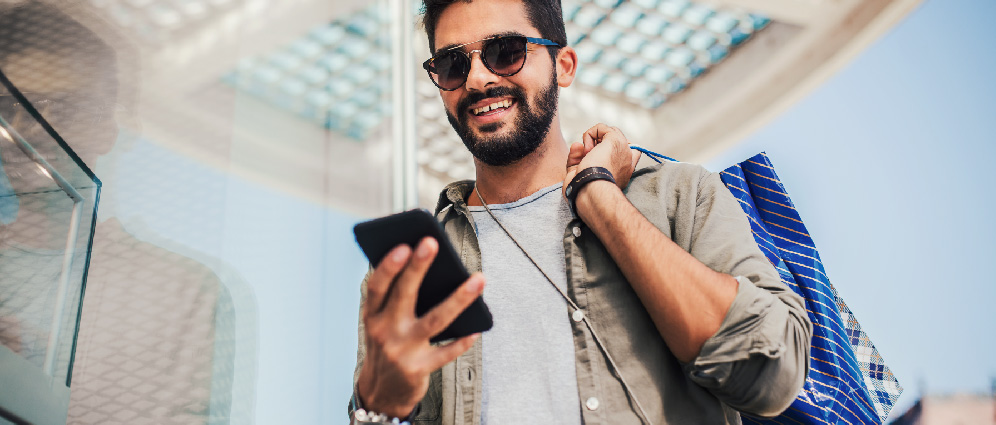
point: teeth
(503, 104)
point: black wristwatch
(582, 178)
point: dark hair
(545, 15)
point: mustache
(514, 92)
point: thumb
(571, 172)
(636, 157)
(576, 154)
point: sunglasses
(503, 55)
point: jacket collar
(455, 194)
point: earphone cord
(584, 318)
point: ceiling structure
(299, 94)
(684, 78)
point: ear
(567, 66)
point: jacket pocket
(431, 404)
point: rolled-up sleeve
(758, 360)
(361, 348)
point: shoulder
(669, 178)
(673, 193)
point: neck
(542, 168)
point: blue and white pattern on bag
(848, 381)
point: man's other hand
(399, 358)
(603, 146)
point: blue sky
(888, 163)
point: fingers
(601, 132)
(575, 155)
(382, 276)
(405, 292)
(449, 352)
(598, 131)
(571, 172)
(594, 136)
(437, 319)
(614, 153)
(588, 140)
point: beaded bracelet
(362, 416)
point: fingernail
(399, 254)
(474, 286)
(423, 249)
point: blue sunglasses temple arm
(542, 41)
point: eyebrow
(499, 34)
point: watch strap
(582, 178)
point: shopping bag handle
(652, 155)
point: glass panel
(315, 116)
(243, 140)
(48, 200)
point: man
(638, 297)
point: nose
(479, 76)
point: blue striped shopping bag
(848, 381)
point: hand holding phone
(377, 237)
(399, 357)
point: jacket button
(576, 231)
(577, 316)
(592, 403)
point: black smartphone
(377, 237)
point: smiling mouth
(492, 108)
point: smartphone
(377, 237)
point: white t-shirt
(532, 334)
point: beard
(529, 128)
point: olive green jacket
(755, 364)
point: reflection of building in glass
(336, 76)
(157, 337)
(158, 22)
(157, 329)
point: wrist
(363, 417)
(588, 194)
(582, 179)
(371, 403)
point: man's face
(503, 135)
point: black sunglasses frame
(428, 64)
